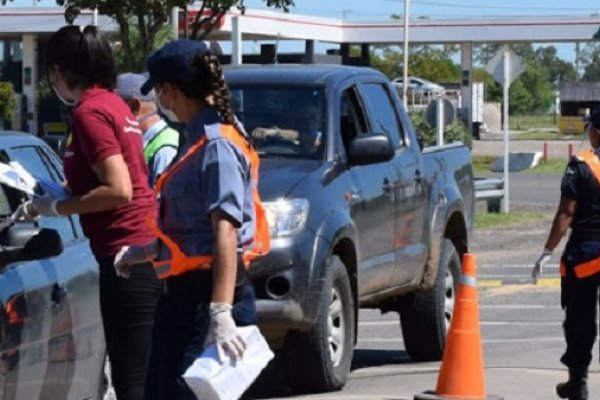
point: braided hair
(209, 81)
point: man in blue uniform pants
(579, 209)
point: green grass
(525, 122)
(484, 220)
(538, 135)
(482, 163)
(554, 166)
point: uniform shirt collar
(153, 131)
(196, 128)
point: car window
(38, 164)
(5, 208)
(383, 114)
(283, 121)
(352, 117)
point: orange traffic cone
(461, 374)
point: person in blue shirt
(208, 221)
(160, 141)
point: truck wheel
(425, 316)
(319, 360)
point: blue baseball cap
(172, 62)
(129, 85)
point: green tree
(535, 80)
(7, 102)
(590, 58)
(149, 16)
(483, 53)
(558, 70)
(137, 51)
(520, 99)
(493, 90)
(427, 62)
(433, 64)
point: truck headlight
(286, 217)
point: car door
(371, 200)
(75, 348)
(25, 315)
(410, 197)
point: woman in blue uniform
(210, 220)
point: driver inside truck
(301, 124)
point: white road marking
(482, 323)
(491, 341)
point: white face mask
(146, 117)
(167, 112)
(67, 102)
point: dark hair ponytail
(85, 56)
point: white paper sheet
(211, 380)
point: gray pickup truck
(360, 215)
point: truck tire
(319, 360)
(425, 316)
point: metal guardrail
(490, 190)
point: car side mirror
(370, 149)
(24, 242)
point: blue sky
(382, 9)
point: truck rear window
(283, 121)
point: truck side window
(352, 117)
(385, 119)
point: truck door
(410, 197)
(371, 199)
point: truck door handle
(59, 292)
(387, 187)
(418, 176)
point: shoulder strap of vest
(167, 136)
(592, 161)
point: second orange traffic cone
(461, 373)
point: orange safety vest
(261, 243)
(591, 267)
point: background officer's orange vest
(261, 243)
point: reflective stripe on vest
(591, 267)
(165, 137)
(261, 243)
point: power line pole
(405, 62)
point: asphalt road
(520, 323)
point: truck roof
(295, 74)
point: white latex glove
(538, 268)
(131, 255)
(223, 332)
(45, 205)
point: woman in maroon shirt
(107, 180)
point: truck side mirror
(370, 149)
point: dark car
(51, 337)
(360, 215)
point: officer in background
(579, 209)
(160, 140)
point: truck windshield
(283, 121)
